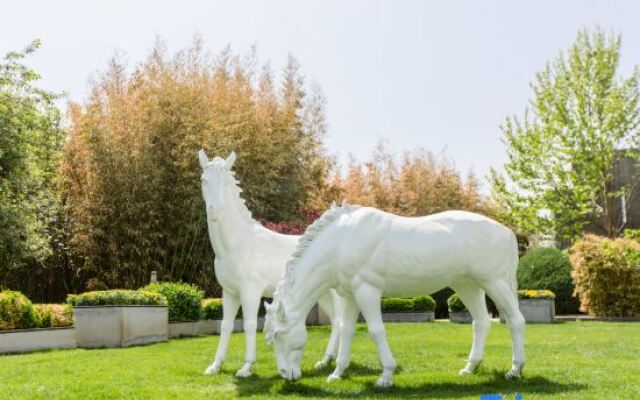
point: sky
(441, 75)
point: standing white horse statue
(365, 253)
(250, 260)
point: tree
(131, 172)
(420, 184)
(30, 141)
(562, 152)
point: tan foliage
(421, 184)
(131, 172)
(606, 274)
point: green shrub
(536, 294)
(546, 268)
(607, 275)
(119, 297)
(211, 309)
(394, 304)
(184, 300)
(417, 304)
(55, 315)
(16, 311)
(423, 303)
(455, 304)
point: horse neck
(233, 227)
(311, 282)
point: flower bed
(119, 318)
(28, 327)
(211, 315)
(458, 312)
(536, 306)
(416, 309)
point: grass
(573, 360)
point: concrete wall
(537, 310)
(22, 340)
(461, 317)
(120, 326)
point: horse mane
(235, 189)
(312, 232)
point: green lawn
(576, 360)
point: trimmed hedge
(211, 309)
(17, 311)
(119, 297)
(54, 315)
(607, 275)
(416, 304)
(455, 304)
(184, 300)
(536, 294)
(549, 269)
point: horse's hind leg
(473, 298)
(506, 300)
(330, 304)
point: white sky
(441, 75)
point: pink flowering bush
(297, 227)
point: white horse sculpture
(365, 253)
(250, 260)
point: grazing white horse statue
(250, 259)
(365, 253)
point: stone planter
(23, 340)
(405, 316)
(180, 329)
(120, 326)
(537, 310)
(213, 326)
(408, 316)
(460, 317)
(209, 327)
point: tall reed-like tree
(421, 183)
(131, 171)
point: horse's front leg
(330, 304)
(368, 299)
(250, 306)
(230, 305)
(349, 317)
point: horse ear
(228, 163)
(204, 160)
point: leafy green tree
(30, 140)
(560, 173)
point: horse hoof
(383, 382)
(333, 377)
(512, 375)
(320, 365)
(243, 373)
(465, 372)
(212, 370)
